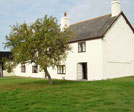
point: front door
(82, 71)
(79, 71)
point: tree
(41, 43)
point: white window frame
(61, 69)
(23, 68)
(34, 69)
(81, 47)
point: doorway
(82, 71)
(1, 70)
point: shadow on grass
(22, 81)
(9, 78)
(13, 83)
(46, 82)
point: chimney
(65, 22)
(116, 8)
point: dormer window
(81, 47)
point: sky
(19, 11)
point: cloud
(12, 11)
(89, 9)
(92, 8)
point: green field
(36, 95)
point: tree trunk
(48, 75)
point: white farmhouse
(103, 48)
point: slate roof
(94, 28)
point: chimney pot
(65, 14)
(65, 22)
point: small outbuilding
(3, 54)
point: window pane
(34, 69)
(61, 69)
(23, 68)
(81, 47)
(64, 69)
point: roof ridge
(90, 19)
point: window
(82, 47)
(61, 69)
(23, 68)
(34, 69)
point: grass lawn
(36, 95)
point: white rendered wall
(93, 56)
(118, 46)
(40, 74)
(5, 73)
(28, 72)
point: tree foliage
(41, 43)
